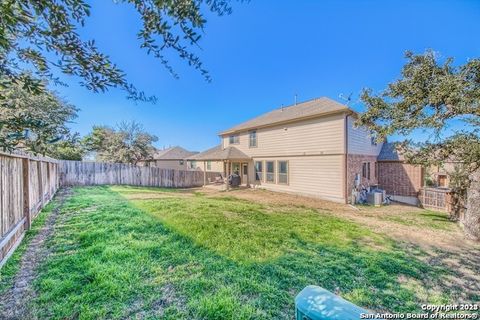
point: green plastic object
(316, 303)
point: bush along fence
(78, 173)
(27, 183)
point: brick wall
(399, 178)
(354, 167)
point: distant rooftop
(315, 107)
(218, 153)
(173, 153)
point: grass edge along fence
(27, 184)
(82, 173)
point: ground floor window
(366, 170)
(270, 171)
(258, 170)
(193, 164)
(283, 172)
(209, 165)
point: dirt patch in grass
(427, 229)
(14, 300)
(440, 241)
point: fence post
(26, 193)
(40, 183)
(49, 182)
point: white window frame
(285, 174)
(259, 173)
(234, 139)
(270, 173)
(252, 136)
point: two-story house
(311, 148)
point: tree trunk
(471, 222)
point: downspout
(345, 177)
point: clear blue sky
(263, 54)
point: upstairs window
(283, 172)
(270, 171)
(252, 139)
(209, 165)
(258, 170)
(234, 139)
(193, 164)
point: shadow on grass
(436, 216)
(117, 261)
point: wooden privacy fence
(27, 183)
(78, 173)
(436, 199)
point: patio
(234, 162)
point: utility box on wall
(316, 303)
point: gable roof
(390, 152)
(173, 153)
(218, 153)
(315, 107)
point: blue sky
(262, 55)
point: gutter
(273, 124)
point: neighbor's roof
(315, 107)
(390, 152)
(173, 153)
(218, 153)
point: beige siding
(167, 164)
(217, 166)
(318, 136)
(317, 176)
(360, 142)
(448, 168)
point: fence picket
(25, 185)
(77, 173)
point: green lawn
(124, 252)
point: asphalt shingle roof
(173, 153)
(218, 153)
(301, 110)
(390, 152)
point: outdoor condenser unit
(375, 197)
(316, 303)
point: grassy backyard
(125, 252)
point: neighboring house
(170, 158)
(440, 176)
(401, 180)
(404, 181)
(311, 148)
